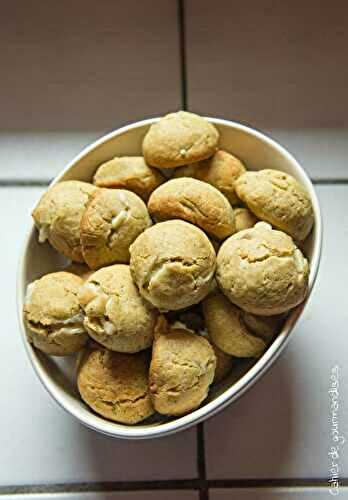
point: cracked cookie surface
(111, 222)
(196, 202)
(129, 172)
(179, 138)
(116, 315)
(221, 171)
(53, 315)
(58, 215)
(181, 371)
(115, 385)
(173, 264)
(277, 198)
(262, 271)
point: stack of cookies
(182, 262)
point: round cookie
(111, 222)
(58, 215)
(221, 171)
(262, 271)
(227, 330)
(244, 219)
(173, 264)
(279, 199)
(196, 202)
(115, 385)
(116, 315)
(181, 371)
(53, 315)
(224, 364)
(179, 138)
(266, 327)
(79, 269)
(129, 172)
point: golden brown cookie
(116, 315)
(115, 385)
(53, 315)
(262, 271)
(129, 172)
(181, 371)
(266, 327)
(58, 215)
(196, 202)
(111, 222)
(279, 199)
(227, 330)
(244, 219)
(173, 264)
(79, 269)
(221, 171)
(179, 138)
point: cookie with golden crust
(244, 219)
(277, 198)
(196, 202)
(173, 264)
(179, 138)
(115, 385)
(181, 371)
(58, 215)
(266, 327)
(116, 315)
(53, 315)
(129, 172)
(221, 171)
(262, 271)
(227, 330)
(111, 222)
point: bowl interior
(58, 374)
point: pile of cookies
(182, 262)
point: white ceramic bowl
(58, 374)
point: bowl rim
(207, 410)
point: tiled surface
(87, 65)
(120, 495)
(274, 64)
(275, 494)
(280, 428)
(39, 442)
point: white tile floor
(71, 72)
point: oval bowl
(58, 375)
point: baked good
(262, 271)
(111, 222)
(129, 172)
(179, 138)
(53, 315)
(277, 198)
(116, 315)
(79, 269)
(244, 219)
(196, 202)
(181, 371)
(266, 327)
(115, 385)
(58, 215)
(173, 264)
(221, 171)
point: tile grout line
(201, 466)
(182, 49)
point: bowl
(58, 375)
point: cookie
(179, 138)
(129, 172)
(227, 330)
(244, 219)
(221, 171)
(181, 371)
(58, 215)
(111, 222)
(115, 385)
(53, 315)
(79, 269)
(196, 202)
(266, 327)
(279, 199)
(116, 315)
(262, 271)
(173, 264)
